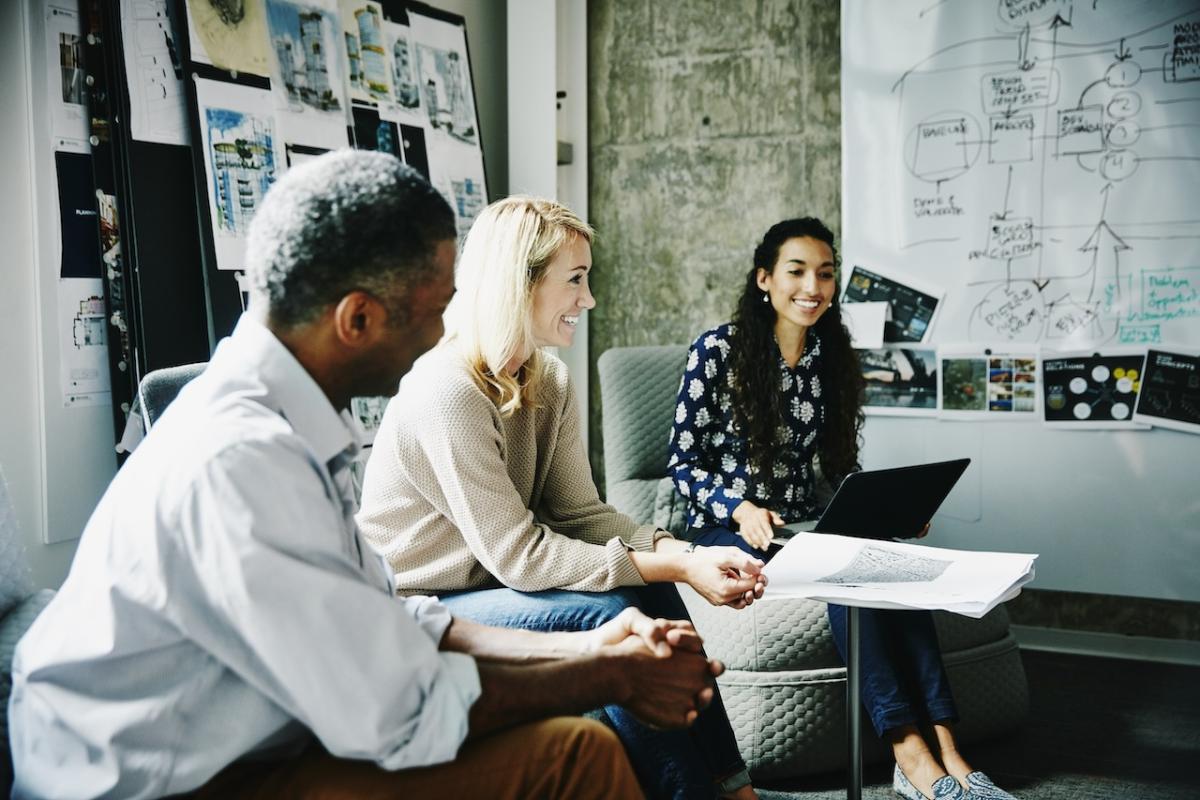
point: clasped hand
(668, 678)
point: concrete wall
(709, 122)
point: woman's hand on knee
(756, 524)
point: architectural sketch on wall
(83, 351)
(447, 89)
(404, 68)
(229, 34)
(157, 105)
(240, 160)
(1042, 160)
(305, 64)
(366, 54)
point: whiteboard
(1039, 161)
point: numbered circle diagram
(943, 146)
(1082, 410)
(1119, 411)
(1078, 385)
(1117, 165)
(1124, 104)
(1100, 373)
(1124, 133)
(1123, 74)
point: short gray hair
(347, 220)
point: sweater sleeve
(697, 413)
(570, 503)
(461, 444)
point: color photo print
(1091, 390)
(988, 385)
(913, 304)
(900, 381)
(1170, 392)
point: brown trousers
(564, 757)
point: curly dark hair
(753, 361)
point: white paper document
(866, 321)
(885, 574)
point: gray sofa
(784, 686)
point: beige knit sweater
(458, 497)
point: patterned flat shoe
(980, 787)
(944, 788)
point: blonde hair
(491, 316)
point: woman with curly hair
(764, 400)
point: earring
(766, 297)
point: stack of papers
(885, 574)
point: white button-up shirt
(223, 604)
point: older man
(226, 631)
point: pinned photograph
(981, 384)
(913, 303)
(900, 381)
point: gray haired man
(226, 632)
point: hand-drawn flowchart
(1046, 166)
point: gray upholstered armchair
(784, 686)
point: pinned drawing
(240, 160)
(230, 35)
(447, 87)
(304, 47)
(369, 70)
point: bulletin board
(270, 83)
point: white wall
(21, 401)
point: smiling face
(562, 295)
(803, 282)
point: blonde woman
(479, 490)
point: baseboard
(1110, 645)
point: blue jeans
(903, 681)
(670, 764)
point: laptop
(887, 503)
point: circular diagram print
(1120, 411)
(1124, 385)
(1056, 399)
(1078, 385)
(1100, 373)
(1082, 410)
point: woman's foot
(944, 788)
(980, 787)
(916, 767)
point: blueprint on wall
(1038, 159)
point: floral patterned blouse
(708, 454)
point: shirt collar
(293, 392)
